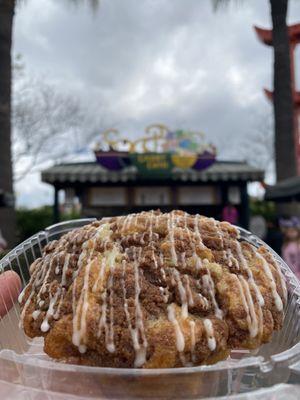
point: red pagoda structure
(265, 35)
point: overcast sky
(171, 61)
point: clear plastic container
(25, 368)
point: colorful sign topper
(157, 153)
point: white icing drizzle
(183, 259)
(109, 334)
(102, 321)
(36, 314)
(182, 293)
(183, 360)
(154, 260)
(245, 267)
(188, 291)
(139, 348)
(26, 305)
(260, 321)
(100, 275)
(277, 298)
(211, 341)
(196, 229)
(231, 259)
(65, 269)
(108, 330)
(198, 263)
(127, 222)
(136, 221)
(165, 293)
(161, 258)
(163, 273)
(79, 319)
(40, 274)
(186, 227)
(21, 295)
(227, 257)
(162, 270)
(133, 332)
(141, 352)
(218, 232)
(43, 287)
(248, 305)
(80, 310)
(198, 283)
(172, 241)
(282, 281)
(172, 279)
(179, 338)
(209, 286)
(75, 274)
(193, 340)
(203, 299)
(157, 219)
(53, 299)
(57, 312)
(151, 226)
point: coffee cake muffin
(152, 290)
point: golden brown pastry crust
(152, 290)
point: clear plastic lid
(23, 362)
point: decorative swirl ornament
(159, 151)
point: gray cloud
(170, 61)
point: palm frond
(218, 4)
(94, 4)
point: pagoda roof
(265, 35)
(93, 173)
(286, 190)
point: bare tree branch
(258, 147)
(48, 124)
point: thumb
(10, 287)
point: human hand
(10, 287)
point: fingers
(10, 287)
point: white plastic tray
(26, 368)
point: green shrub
(31, 221)
(265, 208)
(3, 253)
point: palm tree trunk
(7, 214)
(285, 148)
